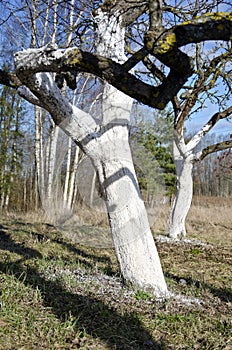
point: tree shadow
(98, 319)
(90, 259)
(8, 244)
(224, 294)
(93, 316)
(84, 255)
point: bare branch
(48, 59)
(212, 149)
(9, 79)
(199, 87)
(208, 126)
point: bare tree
(211, 81)
(185, 155)
(106, 141)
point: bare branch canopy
(211, 26)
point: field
(57, 293)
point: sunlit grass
(56, 294)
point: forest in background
(37, 160)
(39, 166)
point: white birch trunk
(7, 199)
(25, 190)
(184, 192)
(67, 173)
(71, 193)
(39, 158)
(51, 163)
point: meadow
(60, 293)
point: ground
(56, 293)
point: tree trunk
(107, 146)
(67, 173)
(184, 193)
(53, 140)
(71, 194)
(133, 241)
(39, 157)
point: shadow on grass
(84, 254)
(225, 295)
(93, 316)
(8, 244)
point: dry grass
(57, 294)
(209, 220)
(211, 217)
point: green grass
(55, 294)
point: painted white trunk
(133, 241)
(184, 193)
(108, 147)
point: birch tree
(106, 141)
(56, 22)
(11, 116)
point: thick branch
(211, 26)
(9, 79)
(208, 126)
(45, 93)
(135, 58)
(166, 48)
(49, 59)
(212, 149)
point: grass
(57, 294)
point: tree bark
(108, 147)
(184, 193)
(184, 157)
(133, 241)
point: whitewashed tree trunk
(185, 155)
(132, 237)
(107, 146)
(133, 241)
(184, 191)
